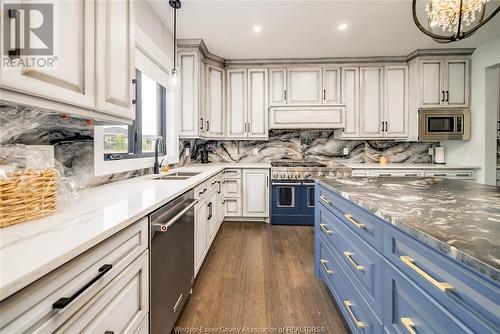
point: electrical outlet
(187, 151)
(345, 151)
(255, 151)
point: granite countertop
(32, 249)
(395, 165)
(458, 218)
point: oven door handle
(286, 184)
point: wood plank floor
(261, 276)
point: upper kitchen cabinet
(331, 85)
(191, 116)
(72, 79)
(277, 79)
(371, 102)
(444, 82)
(114, 65)
(396, 101)
(214, 115)
(247, 101)
(350, 96)
(304, 86)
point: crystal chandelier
(459, 18)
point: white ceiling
(294, 29)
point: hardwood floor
(260, 276)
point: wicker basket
(26, 195)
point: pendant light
(175, 4)
(453, 20)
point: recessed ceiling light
(257, 28)
(342, 26)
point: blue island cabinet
(385, 281)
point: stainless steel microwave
(444, 124)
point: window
(138, 139)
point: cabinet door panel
(232, 207)
(115, 67)
(350, 92)
(214, 123)
(304, 86)
(371, 98)
(189, 94)
(431, 84)
(257, 104)
(277, 86)
(396, 101)
(237, 103)
(200, 234)
(331, 85)
(256, 193)
(457, 83)
(72, 79)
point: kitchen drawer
(119, 307)
(32, 307)
(232, 173)
(360, 173)
(232, 187)
(232, 207)
(360, 262)
(411, 310)
(397, 173)
(472, 299)
(362, 222)
(359, 316)
(452, 174)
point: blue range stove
(292, 191)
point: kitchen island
(410, 254)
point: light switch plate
(345, 151)
(187, 151)
(255, 151)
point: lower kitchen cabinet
(104, 289)
(256, 192)
(399, 285)
(200, 234)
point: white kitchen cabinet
(350, 96)
(200, 233)
(232, 187)
(466, 174)
(444, 82)
(232, 207)
(371, 101)
(306, 117)
(114, 57)
(72, 79)
(119, 307)
(189, 105)
(247, 103)
(332, 85)
(396, 101)
(304, 86)
(255, 193)
(213, 215)
(277, 84)
(236, 103)
(214, 115)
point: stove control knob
(308, 176)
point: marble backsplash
(310, 145)
(72, 138)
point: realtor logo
(28, 29)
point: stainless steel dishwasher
(172, 261)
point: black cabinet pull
(208, 126)
(447, 96)
(383, 127)
(442, 98)
(201, 122)
(134, 82)
(109, 332)
(324, 94)
(64, 301)
(386, 127)
(285, 94)
(209, 211)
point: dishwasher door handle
(164, 227)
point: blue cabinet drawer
(360, 261)
(362, 222)
(474, 300)
(359, 316)
(411, 310)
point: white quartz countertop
(31, 250)
(406, 166)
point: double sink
(177, 176)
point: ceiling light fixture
(257, 28)
(460, 18)
(342, 26)
(175, 4)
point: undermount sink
(177, 176)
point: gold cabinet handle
(353, 221)
(356, 266)
(325, 199)
(348, 304)
(323, 227)
(408, 325)
(443, 286)
(325, 268)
